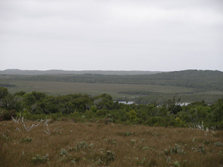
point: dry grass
(97, 144)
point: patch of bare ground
(96, 144)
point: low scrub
(98, 144)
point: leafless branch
(14, 120)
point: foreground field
(98, 144)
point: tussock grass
(97, 144)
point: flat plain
(117, 91)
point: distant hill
(57, 72)
(200, 79)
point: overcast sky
(153, 35)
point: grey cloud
(148, 35)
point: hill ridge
(56, 71)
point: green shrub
(63, 152)
(40, 159)
(127, 134)
(110, 156)
(26, 140)
(218, 144)
(177, 149)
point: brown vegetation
(98, 144)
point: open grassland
(117, 91)
(99, 144)
(91, 88)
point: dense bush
(79, 107)
(6, 114)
